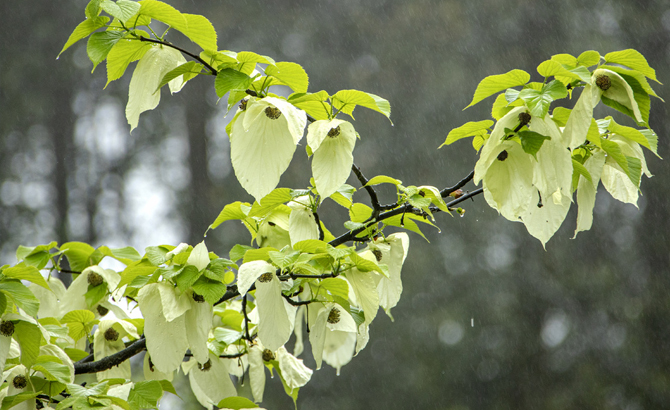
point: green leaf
(552, 68)
(469, 129)
(79, 255)
(75, 355)
(588, 58)
(156, 255)
(284, 260)
(359, 212)
(346, 100)
(630, 166)
(122, 9)
(231, 212)
(311, 246)
(229, 79)
(496, 83)
(538, 102)
(335, 287)
(313, 104)
(124, 52)
(164, 13)
(37, 256)
(290, 74)
(188, 70)
(83, 30)
(565, 59)
(344, 195)
(125, 255)
(200, 31)
(52, 370)
(236, 403)
(532, 141)
(211, 290)
(14, 400)
(95, 294)
(632, 59)
(29, 337)
(634, 135)
(383, 179)
(100, 44)
(29, 273)
(560, 116)
(146, 394)
(237, 252)
(21, 295)
(580, 169)
(270, 201)
(50, 388)
(187, 277)
(251, 57)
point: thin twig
(188, 53)
(446, 191)
(246, 318)
(318, 224)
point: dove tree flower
(232, 318)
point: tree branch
(446, 191)
(376, 206)
(188, 53)
(116, 359)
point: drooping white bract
(74, 297)
(332, 143)
(107, 340)
(262, 142)
(293, 371)
(586, 190)
(506, 170)
(199, 256)
(198, 323)
(617, 89)
(301, 222)
(338, 350)
(615, 179)
(393, 250)
(142, 94)
(164, 327)
(581, 116)
(327, 318)
(57, 351)
(210, 382)
(256, 372)
(364, 286)
(552, 180)
(276, 316)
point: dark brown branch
(296, 303)
(376, 206)
(108, 362)
(446, 191)
(246, 318)
(188, 53)
(464, 197)
(231, 292)
(318, 224)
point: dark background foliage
(583, 324)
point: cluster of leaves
(233, 317)
(532, 161)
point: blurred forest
(488, 319)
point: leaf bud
(7, 328)
(334, 132)
(19, 382)
(603, 82)
(334, 316)
(206, 366)
(268, 355)
(503, 155)
(272, 113)
(94, 279)
(102, 311)
(456, 194)
(111, 335)
(198, 298)
(265, 278)
(524, 118)
(378, 254)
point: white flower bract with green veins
(332, 143)
(262, 142)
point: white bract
(262, 142)
(332, 143)
(142, 94)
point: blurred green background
(583, 324)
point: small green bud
(524, 118)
